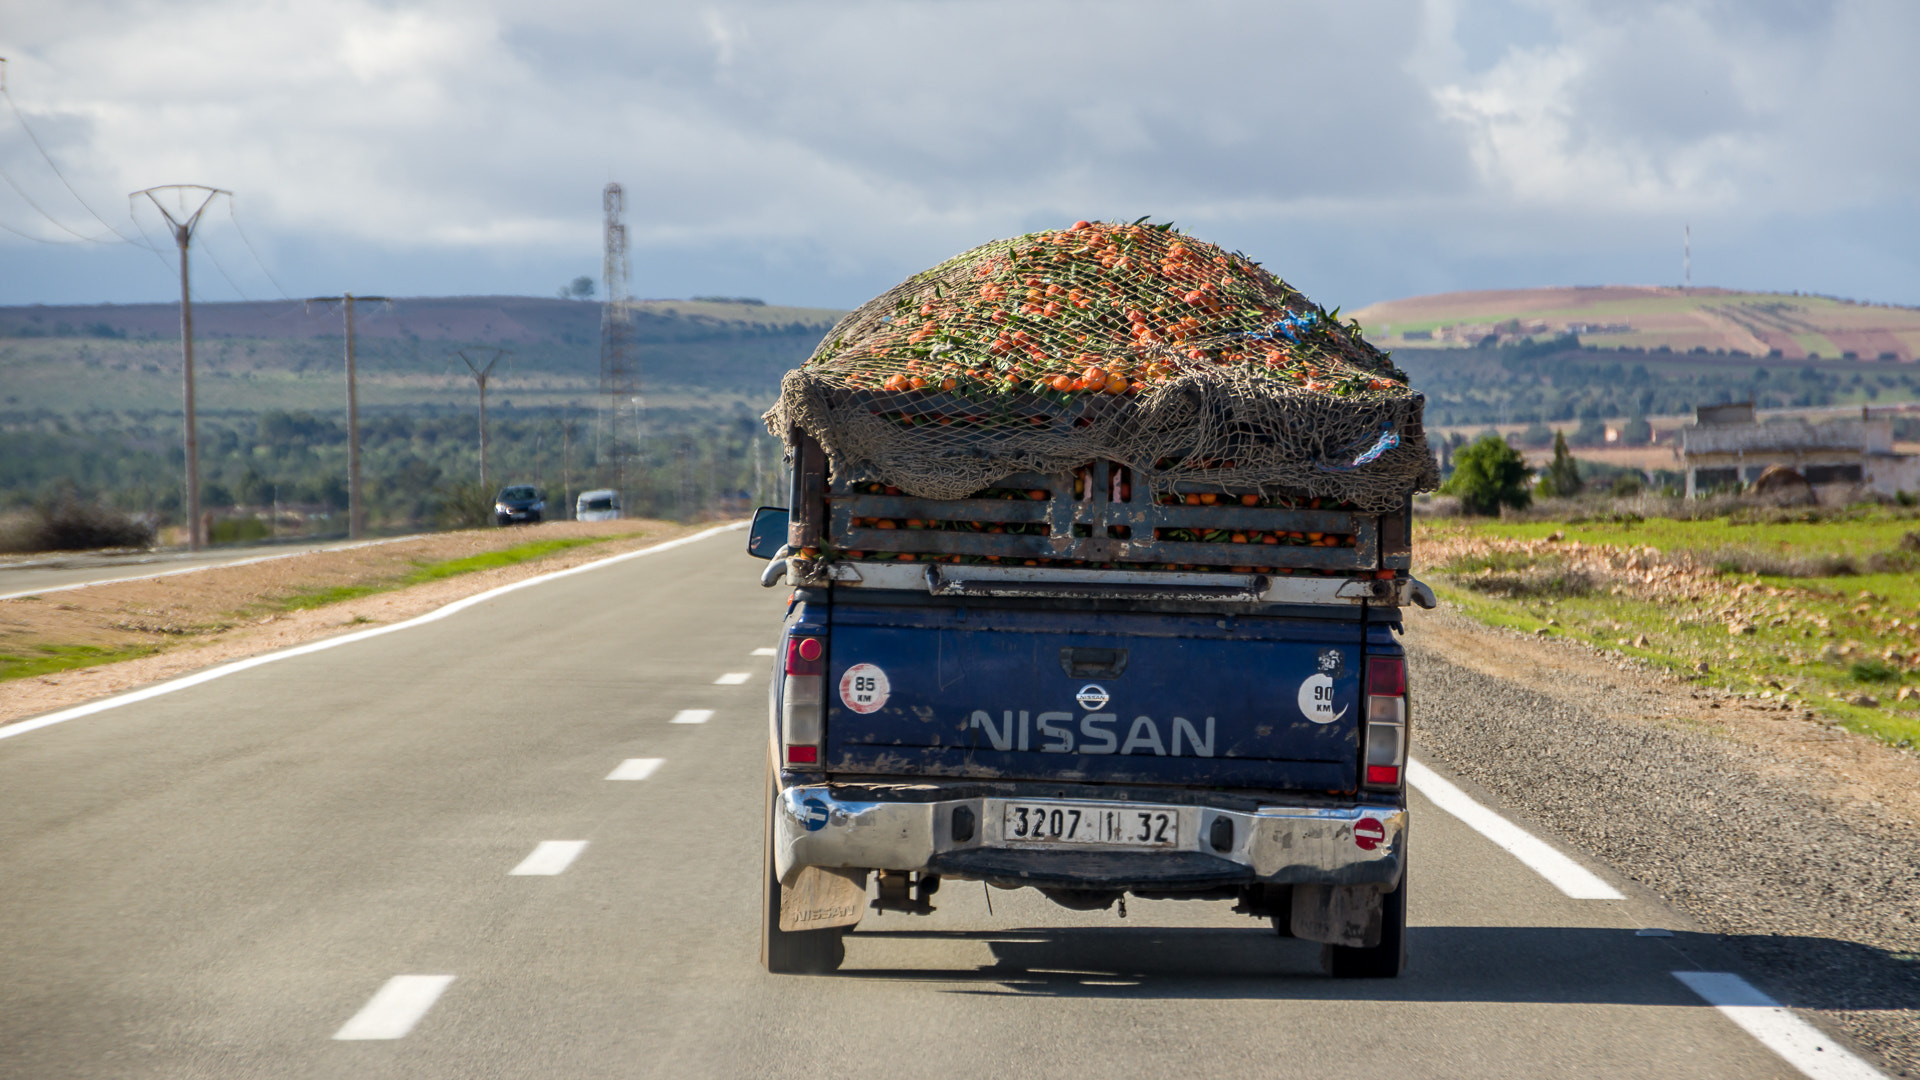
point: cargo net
(1130, 343)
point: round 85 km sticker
(864, 688)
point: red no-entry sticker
(1368, 834)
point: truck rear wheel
(791, 952)
(1385, 960)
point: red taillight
(1386, 676)
(806, 656)
(1384, 752)
(803, 755)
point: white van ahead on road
(601, 505)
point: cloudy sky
(816, 151)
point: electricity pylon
(480, 376)
(183, 227)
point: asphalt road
(215, 881)
(50, 573)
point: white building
(1726, 446)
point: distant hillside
(499, 320)
(1654, 319)
(90, 403)
(286, 355)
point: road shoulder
(224, 613)
(1793, 841)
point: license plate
(1116, 826)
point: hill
(90, 402)
(1789, 326)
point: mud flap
(821, 898)
(1337, 914)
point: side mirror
(769, 532)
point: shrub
(239, 530)
(72, 525)
(1871, 671)
(1561, 480)
(1487, 475)
(463, 505)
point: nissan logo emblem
(1091, 697)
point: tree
(580, 288)
(1488, 475)
(1562, 478)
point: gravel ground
(1824, 904)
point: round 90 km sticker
(864, 688)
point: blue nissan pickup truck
(1059, 686)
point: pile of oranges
(1099, 308)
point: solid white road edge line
(1564, 874)
(732, 678)
(395, 1008)
(212, 566)
(549, 857)
(692, 716)
(1802, 1045)
(636, 768)
(435, 615)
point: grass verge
(53, 659)
(435, 571)
(1829, 640)
(35, 660)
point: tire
(1385, 960)
(791, 952)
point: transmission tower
(183, 224)
(619, 367)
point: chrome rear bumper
(1276, 845)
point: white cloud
(862, 138)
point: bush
(1872, 671)
(72, 525)
(463, 505)
(239, 530)
(1562, 478)
(1489, 475)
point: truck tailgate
(1227, 700)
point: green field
(1823, 614)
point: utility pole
(1686, 255)
(183, 227)
(480, 376)
(619, 374)
(566, 465)
(356, 506)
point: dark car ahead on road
(518, 504)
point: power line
(57, 223)
(208, 251)
(48, 158)
(235, 217)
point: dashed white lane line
(395, 1008)
(636, 768)
(762, 651)
(732, 678)
(692, 716)
(151, 692)
(549, 857)
(1801, 1044)
(1564, 874)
